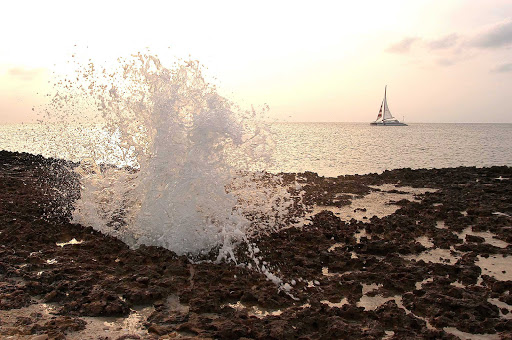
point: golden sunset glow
(310, 61)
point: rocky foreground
(439, 267)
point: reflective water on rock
(503, 307)
(378, 203)
(488, 237)
(497, 266)
(469, 336)
(425, 241)
(441, 225)
(340, 304)
(437, 255)
(255, 310)
(116, 327)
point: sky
(311, 61)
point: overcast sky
(443, 61)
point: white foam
(172, 163)
(501, 214)
(72, 241)
(185, 144)
(255, 310)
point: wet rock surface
(417, 273)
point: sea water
(329, 149)
(333, 149)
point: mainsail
(387, 113)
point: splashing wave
(176, 164)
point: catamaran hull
(388, 124)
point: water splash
(175, 164)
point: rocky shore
(437, 266)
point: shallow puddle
(419, 285)
(425, 241)
(96, 327)
(340, 304)
(376, 203)
(372, 302)
(115, 327)
(487, 236)
(174, 305)
(334, 246)
(436, 255)
(441, 225)
(458, 285)
(389, 335)
(360, 234)
(497, 266)
(469, 336)
(256, 311)
(502, 305)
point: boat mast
(385, 102)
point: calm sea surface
(332, 149)
(329, 149)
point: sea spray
(174, 163)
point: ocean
(329, 149)
(333, 149)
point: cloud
(402, 46)
(495, 36)
(503, 68)
(445, 42)
(446, 62)
(24, 74)
(453, 48)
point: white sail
(387, 113)
(385, 118)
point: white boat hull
(389, 123)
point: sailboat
(385, 118)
